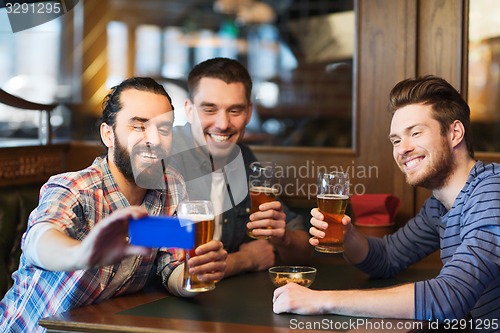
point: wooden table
(237, 304)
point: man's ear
(189, 109)
(457, 133)
(107, 135)
(249, 113)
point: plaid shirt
(74, 202)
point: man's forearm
(395, 302)
(58, 252)
(236, 263)
(355, 246)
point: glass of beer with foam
(263, 187)
(201, 214)
(333, 195)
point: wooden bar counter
(238, 304)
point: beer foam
(262, 189)
(188, 219)
(197, 217)
(333, 196)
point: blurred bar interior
(322, 70)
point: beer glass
(201, 213)
(263, 187)
(333, 195)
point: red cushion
(374, 209)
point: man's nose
(222, 120)
(151, 136)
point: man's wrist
(282, 242)
(239, 262)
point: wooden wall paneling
(489, 157)
(34, 164)
(70, 55)
(441, 48)
(407, 53)
(85, 64)
(301, 166)
(386, 55)
(94, 55)
(81, 154)
(131, 50)
(440, 39)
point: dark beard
(151, 177)
(438, 176)
(122, 161)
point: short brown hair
(446, 102)
(225, 69)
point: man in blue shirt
(431, 139)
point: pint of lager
(332, 206)
(262, 187)
(260, 195)
(201, 214)
(333, 196)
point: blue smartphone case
(160, 231)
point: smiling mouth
(148, 155)
(219, 138)
(413, 163)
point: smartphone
(160, 231)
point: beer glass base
(259, 237)
(199, 289)
(251, 235)
(329, 249)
